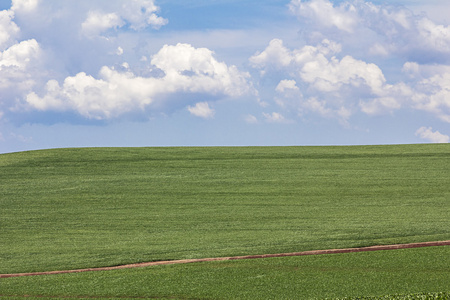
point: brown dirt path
(185, 261)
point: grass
(354, 275)
(419, 296)
(78, 208)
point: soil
(185, 261)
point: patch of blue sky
(5, 4)
(210, 15)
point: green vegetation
(421, 296)
(306, 277)
(78, 208)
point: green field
(323, 276)
(78, 208)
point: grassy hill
(78, 208)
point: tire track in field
(195, 260)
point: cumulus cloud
(393, 29)
(433, 95)
(95, 59)
(196, 70)
(251, 119)
(18, 60)
(338, 87)
(138, 14)
(275, 117)
(202, 110)
(8, 29)
(333, 86)
(334, 78)
(286, 85)
(275, 54)
(18, 72)
(19, 55)
(278, 56)
(141, 13)
(185, 69)
(24, 5)
(433, 36)
(418, 71)
(96, 78)
(427, 133)
(289, 96)
(323, 12)
(98, 22)
(330, 75)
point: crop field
(82, 208)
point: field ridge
(196, 260)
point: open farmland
(322, 276)
(79, 208)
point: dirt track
(184, 261)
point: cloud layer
(108, 60)
(328, 79)
(183, 69)
(432, 136)
(112, 90)
(393, 30)
(137, 14)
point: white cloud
(109, 96)
(422, 71)
(141, 13)
(318, 106)
(251, 119)
(8, 29)
(387, 31)
(156, 22)
(202, 110)
(380, 105)
(275, 54)
(17, 59)
(275, 118)
(24, 5)
(288, 94)
(434, 35)
(340, 87)
(326, 110)
(427, 133)
(392, 97)
(379, 50)
(98, 22)
(330, 75)
(196, 70)
(383, 29)
(18, 72)
(411, 69)
(138, 14)
(343, 17)
(332, 86)
(19, 55)
(433, 95)
(286, 85)
(187, 70)
(430, 88)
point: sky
(131, 73)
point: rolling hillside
(76, 208)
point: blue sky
(225, 72)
